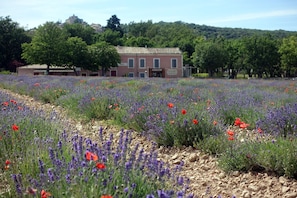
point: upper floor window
(173, 63)
(130, 62)
(142, 63)
(156, 63)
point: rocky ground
(206, 179)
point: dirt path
(206, 179)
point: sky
(251, 14)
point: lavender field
(247, 124)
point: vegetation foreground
(247, 124)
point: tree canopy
(211, 49)
(11, 38)
(47, 47)
(104, 56)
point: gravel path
(206, 179)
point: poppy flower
(237, 122)
(5, 104)
(15, 127)
(195, 121)
(13, 101)
(36, 85)
(170, 105)
(260, 130)
(183, 111)
(45, 194)
(215, 122)
(230, 133)
(7, 162)
(230, 138)
(93, 98)
(100, 165)
(91, 156)
(106, 196)
(243, 125)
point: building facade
(135, 62)
(149, 62)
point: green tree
(288, 51)
(138, 42)
(209, 56)
(48, 46)
(83, 31)
(102, 57)
(262, 52)
(76, 54)
(111, 37)
(11, 38)
(114, 24)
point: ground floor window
(142, 75)
(131, 74)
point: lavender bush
(39, 159)
(211, 107)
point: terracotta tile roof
(146, 50)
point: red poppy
(5, 104)
(230, 133)
(13, 101)
(100, 165)
(20, 108)
(195, 121)
(183, 111)
(93, 98)
(7, 162)
(243, 125)
(15, 127)
(215, 122)
(230, 138)
(237, 122)
(106, 196)
(260, 130)
(45, 194)
(170, 105)
(91, 156)
(36, 84)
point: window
(156, 63)
(142, 63)
(142, 75)
(131, 74)
(173, 63)
(130, 62)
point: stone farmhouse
(135, 62)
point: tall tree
(83, 31)
(103, 56)
(209, 56)
(114, 24)
(111, 37)
(76, 54)
(47, 47)
(262, 54)
(288, 51)
(11, 38)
